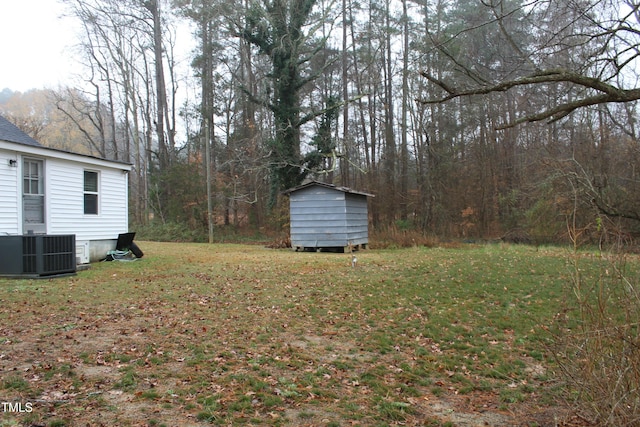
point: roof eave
(63, 154)
(326, 185)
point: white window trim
(96, 193)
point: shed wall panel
(318, 193)
(316, 229)
(326, 217)
(327, 209)
(323, 225)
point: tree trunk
(161, 90)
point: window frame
(89, 195)
(29, 179)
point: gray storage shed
(325, 216)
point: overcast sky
(35, 45)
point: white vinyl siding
(66, 202)
(9, 194)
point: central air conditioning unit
(37, 255)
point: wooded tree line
(482, 118)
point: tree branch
(608, 93)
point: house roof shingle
(10, 132)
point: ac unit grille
(41, 255)
(29, 255)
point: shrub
(597, 342)
(169, 232)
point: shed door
(33, 216)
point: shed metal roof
(324, 184)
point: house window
(90, 193)
(33, 182)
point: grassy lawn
(198, 334)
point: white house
(49, 191)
